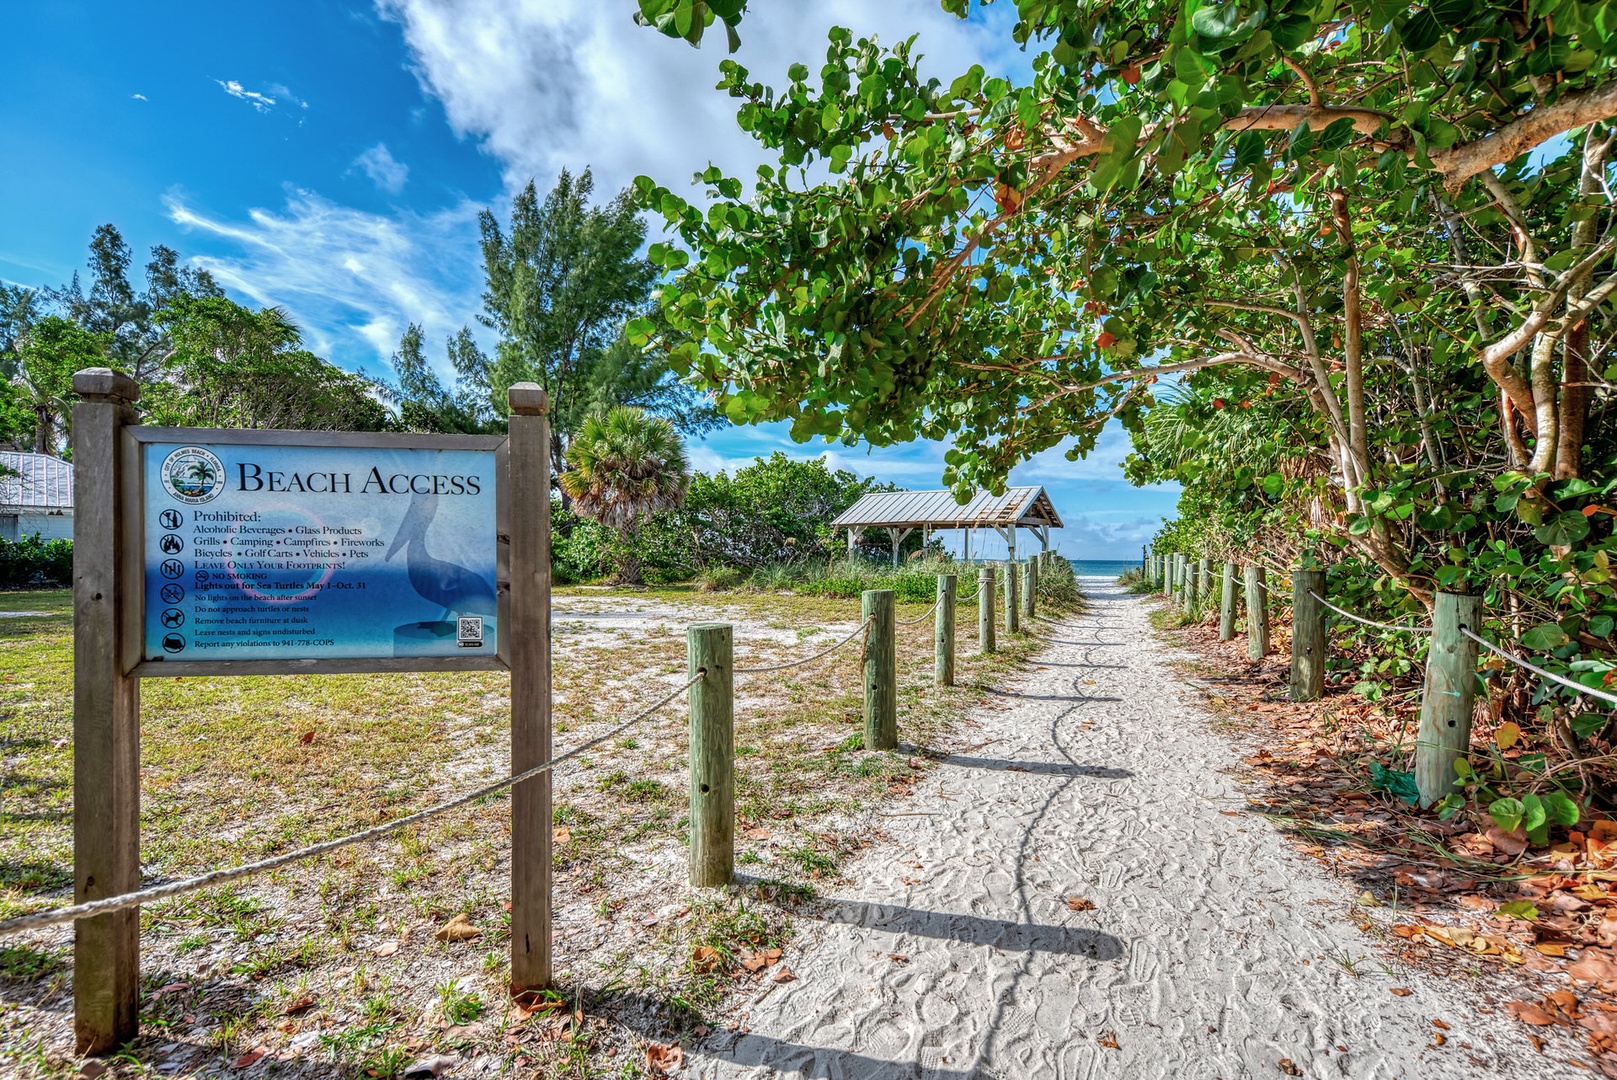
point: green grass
(228, 777)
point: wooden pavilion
(902, 512)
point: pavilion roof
(1028, 507)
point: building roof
(1029, 507)
(45, 483)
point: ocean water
(1107, 568)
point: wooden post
(106, 712)
(943, 633)
(529, 515)
(1204, 579)
(1030, 589)
(1167, 576)
(1013, 597)
(1257, 613)
(710, 649)
(1226, 603)
(985, 610)
(1445, 710)
(881, 671)
(1307, 635)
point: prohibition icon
(173, 618)
(173, 642)
(171, 568)
(171, 519)
(171, 544)
(172, 593)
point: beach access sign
(268, 552)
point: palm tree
(625, 466)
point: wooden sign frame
(108, 588)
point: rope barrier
(1535, 669)
(111, 904)
(1486, 644)
(864, 627)
(922, 615)
(1368, 622)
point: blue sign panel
(267, 552)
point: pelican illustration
(449, 585)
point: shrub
(32, 563)
(718, 579)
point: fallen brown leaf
(249, 1059)
(1402, 991)
(561, 836)
(705, 958)
(1528, 1013)
(459, 928)
(1289, 1068)
(295, 1007)
(1592, 968)
(784, 975)
(1107, 1039)
(1078, 903)
(663, 1058)
(1439, 1024)
(306, 738)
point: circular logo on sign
(193, 475)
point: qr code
(469, 632)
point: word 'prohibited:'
(216, 552)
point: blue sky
(331, 158)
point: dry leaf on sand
(784, 975)
(705, 958)
(1078, 903)
(663, 1058)
(459, 928)
(1528, 1013)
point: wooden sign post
(106, 716)
(528, 508)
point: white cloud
(548, 84)
(262, 101)
(352, 279)
(385, 171)
(138, 97)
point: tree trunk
(44, 424)
(1574, 405)
(628, 558)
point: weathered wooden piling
(943, 633)
(881, 670)
(985, 610)
(1307, 635)
(710, 650)
(1013, 598)
(1444, 734)
(1257, 613)
(1226, 603)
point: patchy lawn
(332, 965)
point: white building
(36, 496)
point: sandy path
(1208, 954)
